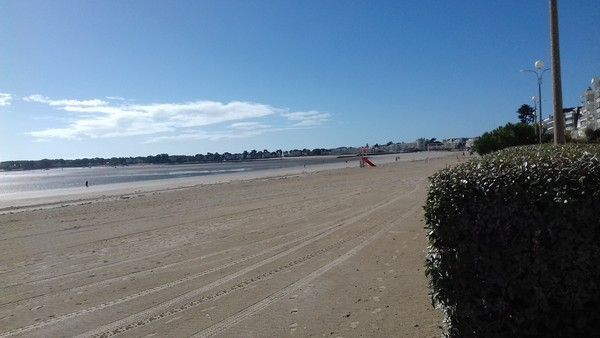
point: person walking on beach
(86, 184)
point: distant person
(87, 184)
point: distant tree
(389, 143)
(162, 158)
(526, 114)
(592, 136)
(507, 136)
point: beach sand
(329, 253)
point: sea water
(62, 178)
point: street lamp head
(539, 65)
(534, 98)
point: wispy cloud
(95, 118)
(115, 98)
(65, 103)
(5, 99)
(249, 126)
(307, 118)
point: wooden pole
(559, 119)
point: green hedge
(515, 243)
(506, 136)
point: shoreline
(21, 201)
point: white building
(548, 124)
(471, 142)
(571, 120)
(590, 112)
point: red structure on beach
(364, 160)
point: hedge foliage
(515, 243)
(506, 136)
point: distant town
(422, 144)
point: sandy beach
(336, 253)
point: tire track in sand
(145, 317)
(194, 293)
(121, 262)
(240, 285)
(85, 287)
(303, 282)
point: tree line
(157, 159)
(525, 132)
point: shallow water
(60, 178)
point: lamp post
(535, 109)
(539, 72)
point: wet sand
(335, 253)
(10, 202)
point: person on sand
(86, 184)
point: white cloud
(307, 118)
(5, 99)
(96, 118)
(115, 98)
(64, 103)
(248, 125)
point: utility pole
(559, 119)
(539, 72)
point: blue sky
(128, 78)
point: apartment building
(590, 111)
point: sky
(134, 78)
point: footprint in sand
(293, 296)
(36, 308)
(381, 288)
(376, 311)
(294, 311)
(293, 327)
(375, 298)
(354, 325)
